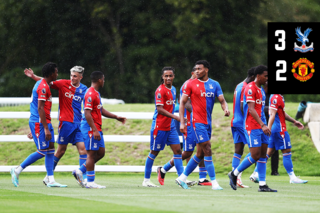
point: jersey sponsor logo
(274, 101)
(303, 38)
(255, 141)
(99, 106)
(208, 94)
(170, 102)
(43, 90)
(72, 96)
(249, 92)
(302, 64)
(259, 101)
(159, 95)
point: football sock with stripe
(148, 167)
(287, 163)
(210, 167)
(192, 164)
(83, 168)
(90, 176)
(31, 159)
(202, 173)
(49, 162)
(262, 170)
(247, 162)
(82, 160)
(55, 162)
(236, 160)
(167, 167)
(178, 163)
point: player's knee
(256, 156)
(155, 153)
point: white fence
(107, 138)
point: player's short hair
(96, 75)
(48, 69)
(205, 63)
(251, 71)
(260, 69)
(78, 69)
(193, 69)
(166, 69)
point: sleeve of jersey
(159, 97)
(88, 102)
(274, 103)
(56, 84)
(250, 94)
(242, 92)
(218, 90)
(186, 90)
(42, 93)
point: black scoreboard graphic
(294, 57)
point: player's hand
(177, 118)
(121, 119)
(298, 124)
(47, 134)
(226, 112)
(96, 135)
(182, 128)
(266, 130)
(28, 72)
(185, 120)
(30, 135)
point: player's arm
(164, 112)
(96, 134)
(183, 101)
(29, 72)
(256, 117)
(295, 122)
(272, 116)
(224, 105)
(42, 115)
(108, 114)
(188, 105)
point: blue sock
(202, 172)
(82, 160)
(256, 169)
(49, 162)
(247, 161)
(177, 159)
(148, 167)
(83, 168)
(192, 164)
(55, 162)
(90, 175)
(287, 162)
(262, 168)
(33, 158)
(210, 167)
(168, 166)
(236, 160)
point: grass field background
(125, 194)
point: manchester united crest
(303, 69)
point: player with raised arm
(163, 131)
(202, 93)
(71, 94)
(40, 126)
(91, 130)
(254, 129)
(189, 143)
(237, 126)
(280, 138)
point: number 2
(281, 39)
(283, 70)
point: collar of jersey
(95, 90)
(167, 87)
(203, 81)
(256, 85)
(73, 85)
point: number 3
(281, 39)
(283, 70)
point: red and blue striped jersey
(277, 103)
(92, 101)
(252, 93)
(167, 98)
(41, 91)
(70, 99)
(202, 95)
(237, 119)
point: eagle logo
(303, 38)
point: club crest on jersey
(210, 86)
(303, 38)
(69, 87)
(197, 85)
(300, 69)
(80, 90)
(43, 90)
(89, 99)
(159, 95)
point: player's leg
(82, 157)
(287, 161)
(202, 175)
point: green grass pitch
(124, 193)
